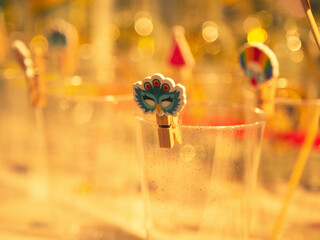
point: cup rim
(261, 119)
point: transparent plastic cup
(91, 147)
(17, 144)
(22, 190)
(201, 189)
(285, 132)
(286, 129)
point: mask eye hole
(166, 102)
(148, 100)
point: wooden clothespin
(261, 67)
(160, 95)
(180, 57)
(39, 47)
(32, 72)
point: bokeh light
(257, 35)
(146, 44)
(251, 23)
(293, 40)
(213, 48)
(39, 43)
(143, 24)
(282, 83)
(297, 56)
(210, 31)
(86, 51)
(76, 80)
(294, 43)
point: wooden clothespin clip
(162, 96)
(32, 73)
(261, 67)
(39, 47)
(180, 56)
